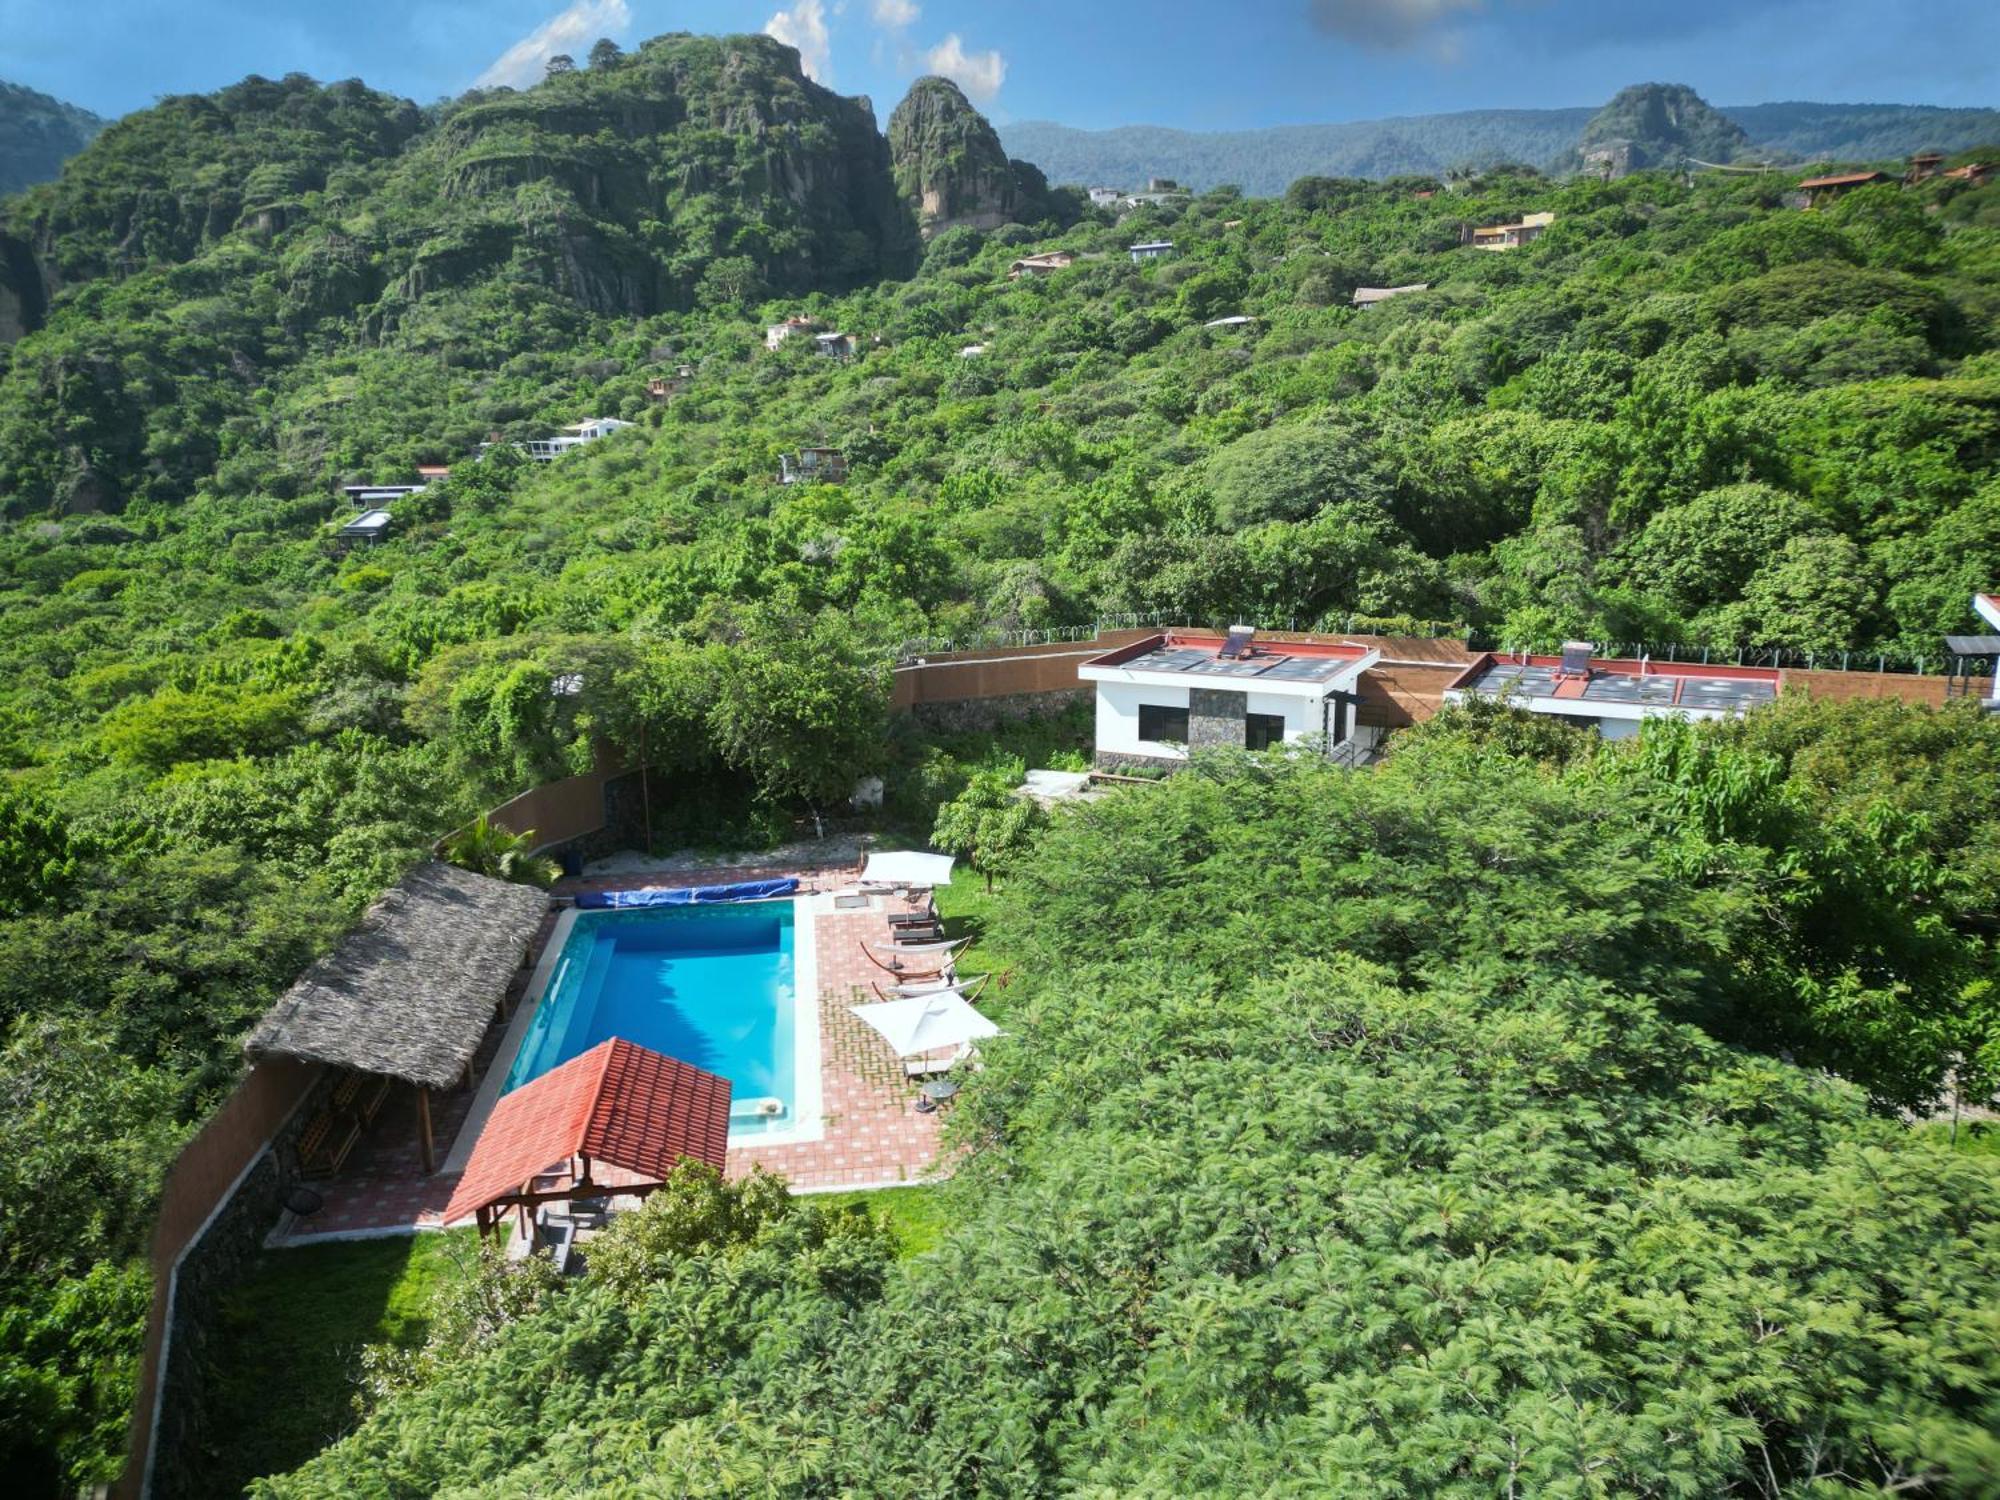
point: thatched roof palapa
(410, 991)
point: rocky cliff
(949, 164)
(1656, 125)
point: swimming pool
(713, 986)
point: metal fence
(992, 640)
(1884, 662)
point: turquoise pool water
(709, 985)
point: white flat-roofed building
(370, 527)
(1168, 695)
(1614, 697)
(574, 436)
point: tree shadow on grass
(284, 1356)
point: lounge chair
(326, 1141)
(925, 962)
(967, 989)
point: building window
(1262, 731)
(1162, 726)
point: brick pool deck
(874, 1136)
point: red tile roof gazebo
(618, 1103)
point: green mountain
(693, 170)
(949, 162)
(617, 187)
(37, 135)
(1864, 132)
(1266, 162)
(1656, 125)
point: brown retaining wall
(1406, 688)
(200, 1182)
(557, 811)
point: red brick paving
(873, 1136)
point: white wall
(1303, 716)
(1118, 719)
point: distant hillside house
(1161, 698)
(1924, 165)
(777, 333)
(1973, 173)
(1234, 320)
(1104, 197)
(542, 450)
(813, 466)
(1823, 190)
(574, 436)
(370, 527)
(368, 496)
(836, 345)
(1152, 250)
(1507, 236)
(1368, 296)
(1041, 265)
(1614, 697)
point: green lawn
(916, 1214)
(289, 1337)
(967, 909)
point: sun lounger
(967, 989)
(926, 962)
(326, 1141)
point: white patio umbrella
(925, 1023)
(907, 867)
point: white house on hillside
(589, 430)
(1165, 696)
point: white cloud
(894, 15)
(1393, 25)
(804, 27)
(980, 74)
(571, 31)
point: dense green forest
(1357, 1135)
(1687, 414)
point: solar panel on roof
(1237, 642)
(1576, 657)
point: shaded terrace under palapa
(409, 993)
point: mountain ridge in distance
(1266, 161)
(38, 133)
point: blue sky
(1221, 64)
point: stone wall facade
(1114, 760)
(209, 1269)
(1216, 718)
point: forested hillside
(1692, 415)
(1353, 1138)
(37, 135)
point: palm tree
(487, 850)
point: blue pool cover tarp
(694, 895)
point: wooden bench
(325, 1142)
(374, 1094)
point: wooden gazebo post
(426, 1148)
